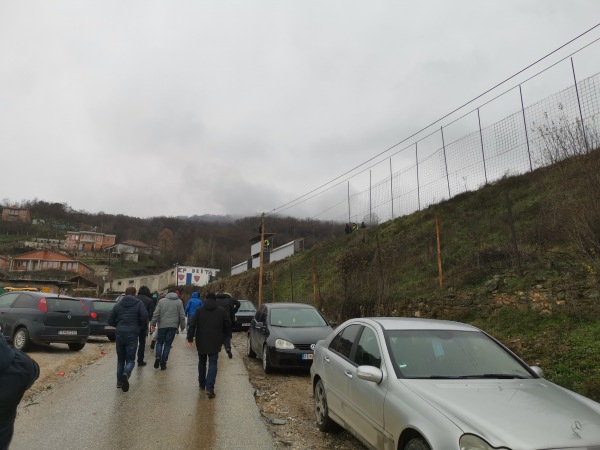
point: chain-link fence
(438, 166)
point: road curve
(163, 409)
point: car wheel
(321, 410)
(112, 338)
(251, 353)
(417, 444)
(267, 367)
(21, 339)
(76, 347)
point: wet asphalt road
(163, 409)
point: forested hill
(207, 241)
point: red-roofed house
(49, 260)
(89, 240)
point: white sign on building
(195, 276)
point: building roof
(44, 254)
(135, 243)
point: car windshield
(246, 306)
(450, 354)
(296, 318)
(66, 305)
(101, 305)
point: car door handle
(326, 359)
(348, 374)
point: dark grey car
(43, 318)
(99, 310)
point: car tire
(21, 340)
(417, 444)
(266, 363)
(251, 353)
(76, 346)
(324, 422)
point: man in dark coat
(231, 306)
(209, 325)
(18, 372)
(128, 317)
(144, 295)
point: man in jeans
(209, 325)
(128, 316)
(169, 317)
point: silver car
(419, 384)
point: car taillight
(93, 315)
(42, 306)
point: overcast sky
(151, 108)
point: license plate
(67, 332)
(307, 356)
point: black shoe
(163, 367)
(210, 394)
(153, 343)
(142, 363)
(229, 353)
(125, 381)
(156, 363)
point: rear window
(103, 306)
(65, 305)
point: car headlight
(472, 442)
(283, 345)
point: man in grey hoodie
(168, 316)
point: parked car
(244, 315)
(419, 384)
(43, 318)
(99, 309)
(284, 334)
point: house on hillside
(270, 254)
(4, 263)
(49, 260)
(16, 214)
(88, 241)
(131, 246)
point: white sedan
(419, 384)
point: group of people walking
(209, 322)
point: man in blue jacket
(128, 316)
(18, 372)
(191, 306)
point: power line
(292, 203)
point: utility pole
(262, 250)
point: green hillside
(520, 259)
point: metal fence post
(587, 147)
(525, 126)
(482, 152)
(445, 162)
(418, 187)
(392, 187)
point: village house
(49, 260)
(88, 241)
(15, 214)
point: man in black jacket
(18, 372)
(209, 325)
(231, 306)
(128, 316)
(144, 295)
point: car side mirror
(370, 373)
(538, 371)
